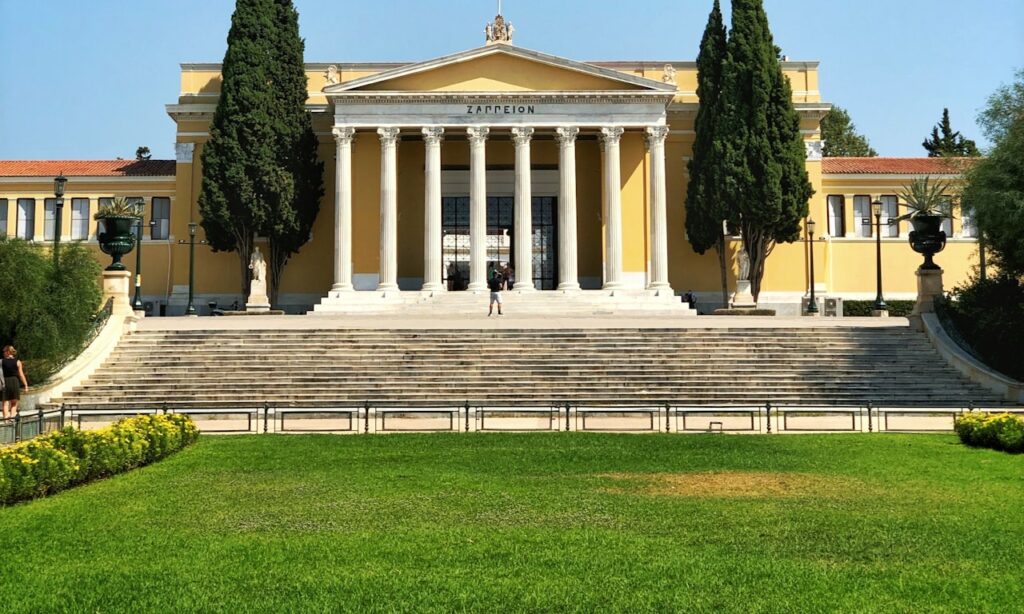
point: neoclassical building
(572, 173)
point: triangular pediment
(500, 68)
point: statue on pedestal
(258, 300)
(743, 261)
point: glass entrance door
(500, 239)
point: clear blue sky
(90, 78)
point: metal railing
(469, 417)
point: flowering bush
(997, 431)
(52, 462)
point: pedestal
(743, 299)
(116, 285)
(258, 301)
(929, 286)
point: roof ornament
(331, 75)
(500, 31)
(669, 75)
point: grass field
(566, 522)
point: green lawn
(557, 522)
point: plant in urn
(115, 236)
(928, 203)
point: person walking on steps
(494, 285)
(13, 381)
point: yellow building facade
(574, 174)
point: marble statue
(743, 259)
(332, 75)
(258, 300)
(670, 74)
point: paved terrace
(506, 322)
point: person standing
(509, 274)
(494, 284)
(14, 381)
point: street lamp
(58, 190)
(191, 309)
(137, 299)
(812, 306)
(876, 209)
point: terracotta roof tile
(87, 168)
(893, 166)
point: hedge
(50, 463)
(997, 431)
(897, 309)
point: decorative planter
(116, 238)
(927, 238)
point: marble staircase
(824, 366)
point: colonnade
(567, 237)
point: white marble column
(343, 138)
(477, 208)
(432, 257)
(658, 280)
(388, 209)
(567, 249)
(613, 208)
(523, 211)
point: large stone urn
(927, 238)
(116, 238)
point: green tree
(1005, 106)
(840, 137)
(240, 177)
(143, 153)
(994, 191)
(48, 311)
(706, 206)
(945, 143)
(292, 215)
(765, 158)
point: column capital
(566, 135)
(522, 135)
(344, 135)
(433, 135)
(388, 136)
(655, 135)
(477, 134)
(610, 135)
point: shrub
(996, 431)
(52, 462)
(988, 315)
(48, 312)
(855, 309)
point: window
(161, 218)
(79, 219)
(968, 228)
(862, 215)
(890, 211)
(26, 218)
(836, 216)
(49, 218)
(3, 217)
(947, 220)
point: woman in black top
(14, 381)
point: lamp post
(191, 309)
(137, 299)
(58, 191)
(812, 305)
(880, 307)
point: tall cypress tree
(945, 142)
(301, 182)
(765, 159)
(706, 206)
(239, 158)
(261, 173)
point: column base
(570, 286)
(523, 287)
(661, 289)
(480, 286)
(343, 288)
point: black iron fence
(469, 417)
